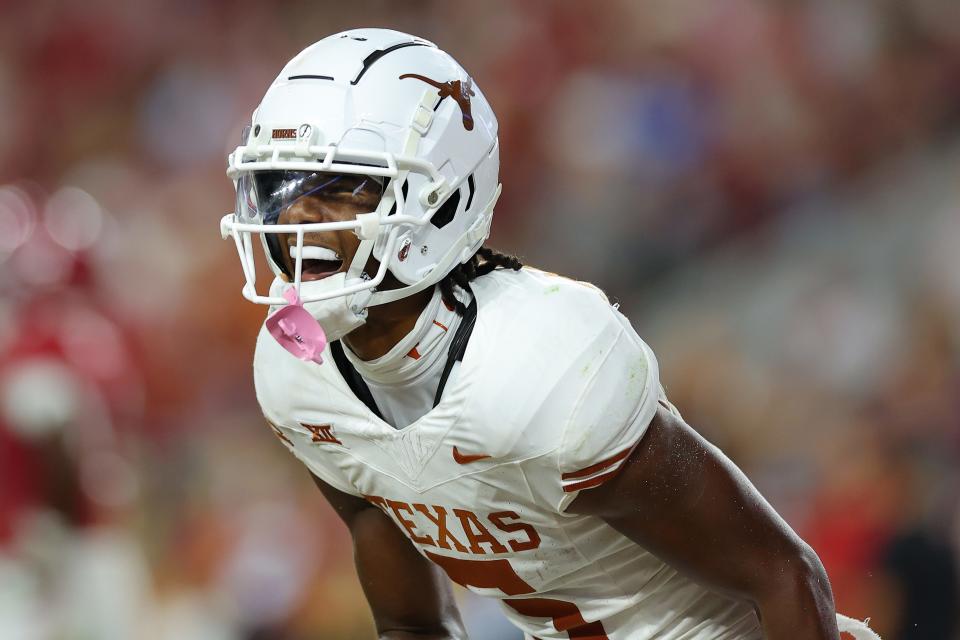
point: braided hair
(483, 262)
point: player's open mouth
(318, 262)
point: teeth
(315, 253)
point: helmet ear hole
(447, 211)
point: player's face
(326, 198)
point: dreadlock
(483, 262)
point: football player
(469, 416)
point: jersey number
(498, 574)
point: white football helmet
(381, 105)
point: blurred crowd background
(771, 190)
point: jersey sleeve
(610, 417)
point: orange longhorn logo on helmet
(461, 92)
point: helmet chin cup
(338, 316)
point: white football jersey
(554, 391)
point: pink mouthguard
(296, 330)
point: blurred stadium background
(770, 189)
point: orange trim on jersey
(565, 615)
(600, 466)
(414, 353)
(592, 482)
(441, 325)
(467, 458)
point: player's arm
(408, 595)
(679, 497)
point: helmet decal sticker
(284, 134)
(404, 250)
(461, 92)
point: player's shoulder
(565, 379)
(539, 342)
(542, 298)
(532, 310)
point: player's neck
(386, 325)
